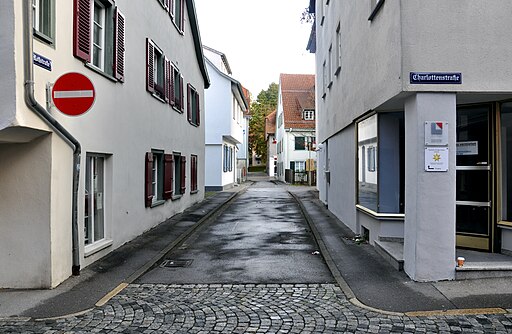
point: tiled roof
(270, 123)
(247, 95)
(298, 93)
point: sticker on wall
(436, 133)
(436, 159)
(467, 148)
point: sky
(260, 38)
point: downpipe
(50, 121)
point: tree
(265, 103)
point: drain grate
(176, 263)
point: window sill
(380, 216)
(97, 247)
(100, 72)
(177, 109)
(376, 10)
(43, 38)
(193, 124)
(194, 191)
(157, 203)
(338, 70)
(176, 197)
(156, 96)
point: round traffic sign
(73, 94)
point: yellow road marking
(111, 294)
(457, 312)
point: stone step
(392, 251)
(477, 270)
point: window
(99, 39)
(193, 174)
(177, 96)
(505, 174)
(338, 50)
(300, 166)
(158, 73)
(94, 215)
(42, 19)
(178, 14)
(308, 115)
(325, 79)
(193, 105)
(375, 5)
(329, 68)
(300, 143)
(381, 151)
(159, 177)
(228, 159)
(180, 163)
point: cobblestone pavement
(247, 308)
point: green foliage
(265, 103)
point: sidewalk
(376, 284)
(123, 265)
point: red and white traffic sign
(73, 94)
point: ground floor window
(193, 173)
(94, 215)
(180, 163)
(506, 162)
(381, 151)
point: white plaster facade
(125, 122)
(366, 52)
(226, 125)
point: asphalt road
(261, 237)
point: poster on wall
(436, 159)
(467, 148)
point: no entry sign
(73, 94)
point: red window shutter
(183, 174)
(193, 173)
(172, 97)
(149, 179)
(119, 47)
(150, 63)
(189, 110)
(182, 93)
(167, 78)
(82, 20)
(168, 175)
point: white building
(226, 125)
(295, 127)
(137, 155)
(414, 124)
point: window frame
(193, 106)
(369, 160)
(44, 10)
(90, 203)
(301, 147)
(193, 174)
(113, 59)
(338, 50)
(308, 114)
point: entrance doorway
(474, 204)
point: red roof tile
(298, 93)
(270, 123)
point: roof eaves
(191, 9)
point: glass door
(474, 176)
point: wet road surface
(252, 271)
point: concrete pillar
(429, 245)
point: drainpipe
(48, 119)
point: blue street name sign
(436, 78)
(42, 62)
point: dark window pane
(472, 219)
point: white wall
(7, 87)
(213, 168)
(124, 123)
(25, 246)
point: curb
(151, 263)
(353, 299)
